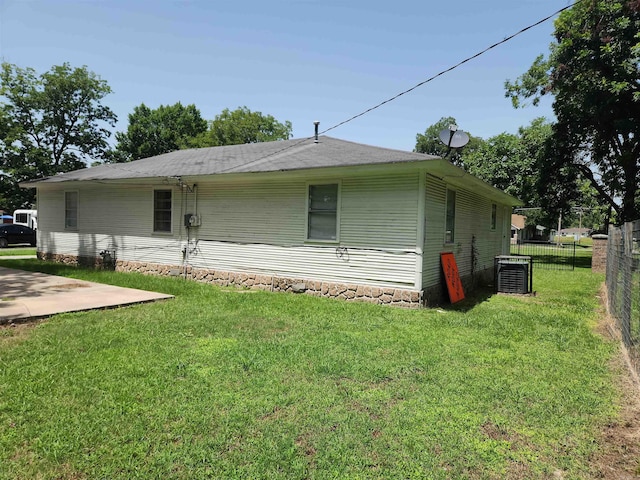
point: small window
(162, 211)
(322, 216)
(450, 223)
(494, 216)
(71, 210)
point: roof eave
(450, 173)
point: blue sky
(298, 60)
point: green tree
(49, 123)
(592, 72)
(157, 131)
(510, 161)
(242, 126)
(429, 142)
(588, 211)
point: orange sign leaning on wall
(451, 276)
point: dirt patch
(13, 333)
(496, 432)
(619, 455)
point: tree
(161, 130)
(511, 162)
(592, 72)
(49, 123)
(588, 212)
(242, 126)
(430, 142)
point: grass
(550, 256)
(582, 241)
(221, 383)
(12, 251)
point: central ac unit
(513, 274)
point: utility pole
(559, 227)
(581, 212)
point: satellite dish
(454, 138)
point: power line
(391, 99)
(430, 79)
(468, 59)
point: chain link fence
(623, 284)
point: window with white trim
(162, 201)
(450, 220)
(322, 213)
(71, 210)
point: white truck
(28, 218)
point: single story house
(517, 228)
(575, 232)
(323, 216)
(521, 232)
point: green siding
(473, 219)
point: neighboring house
(576, 233)
(517, 228)
(521, 232)
(326, 217)
(541, 233)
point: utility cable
(395, 97)
(439, 74)
(468, 59)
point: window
(322, 216)
(71, 210)
(494, 216)
(450, 222)
(162, 211)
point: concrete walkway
(26, 295)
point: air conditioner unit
(513, 274)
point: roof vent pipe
(316, 123)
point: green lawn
(549, 255)
(12, 251)
(223, 383)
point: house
(518, 228)
(576, 233)
(323, 216)
(521, 232)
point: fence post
(599, 253)
(627, 282)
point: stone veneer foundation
(345, 291)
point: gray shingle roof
(254, 157)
